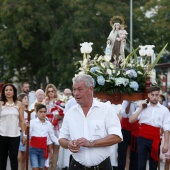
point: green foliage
(40, 38)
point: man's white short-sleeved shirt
(157, 116)
(100, 122)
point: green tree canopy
(40, 39)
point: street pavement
(161, 166)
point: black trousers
(75, 166)
(9, 147)
(144, 148)
(122, 150)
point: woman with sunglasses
(51, 101)
(11, 113)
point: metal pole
(28, 136)
(131, 25)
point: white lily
(107, 58)
(149, 50)
(139, 72)
(142, 50)
(118, 73)
(100, 58)
(102, 64)
(109, 71)
(86, 47)
(111, 65)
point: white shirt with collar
(69, 104)
(100, 122)
(131, 110)
(157, 116)
(39, 129)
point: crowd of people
(81, 132)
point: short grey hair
(39, 91)
(84, 78)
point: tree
(40, 39)
(152, 24)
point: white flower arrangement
(129, 77)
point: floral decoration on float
(125, 79)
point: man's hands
(74, 145)
(83, 142)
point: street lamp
(131, 25)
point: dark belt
(97, 167)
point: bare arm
(128, 108)
(166, 141)
(107, 141)
(134, 117)
(21, 121)
(21, 116)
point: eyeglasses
(50, 91)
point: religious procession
(115, 114)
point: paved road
(161, 166)
(9, 168)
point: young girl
(40, 131)
(23, 98)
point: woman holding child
(55, 116)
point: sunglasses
(50, 91)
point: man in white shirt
(67, 95)
(40, 95)
(130, 134)
(152, 117)
(89, 128)
(25, 88)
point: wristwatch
(91, 142)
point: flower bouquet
(126, 75)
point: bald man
(67, 92)
(67, 95)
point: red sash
(129, 126)
(153, 133)
(134, 136)
(134, 129)
(40, 143)
(125, 124)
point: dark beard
(154, 102)
(27, 91)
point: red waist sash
(153, 133)
(134, 129)
(129, 126)
(134, 136)
(40, 143)
(125, 124)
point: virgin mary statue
(116, 44)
